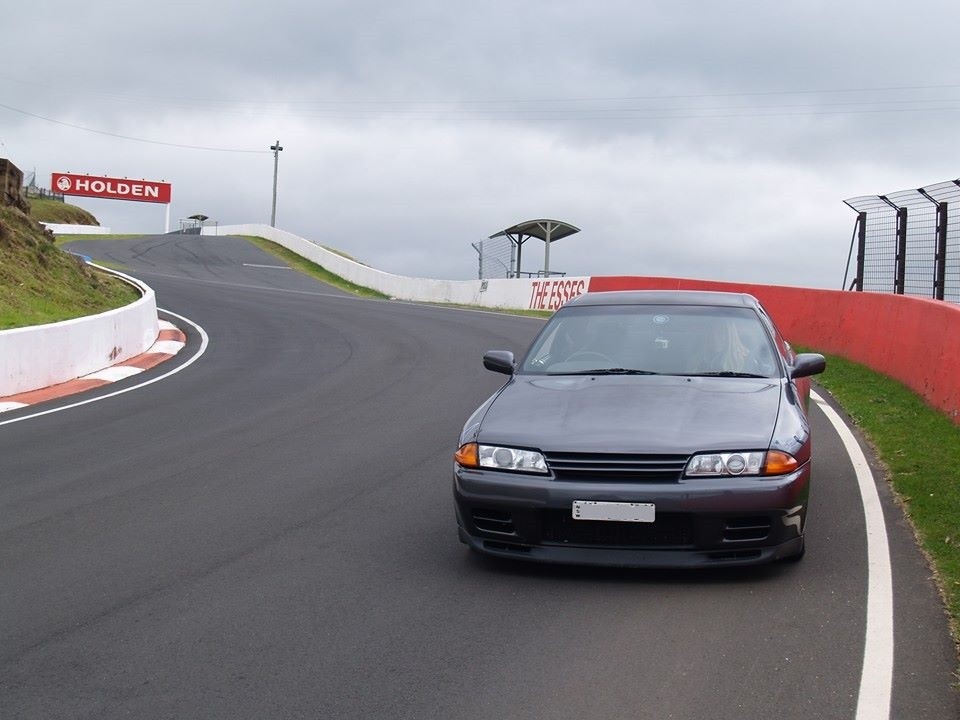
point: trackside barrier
(64, 229)
(913, 340)
(43, 355)
(545, 294)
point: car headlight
(773, 462)
(496, 457)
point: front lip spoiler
(631, 558)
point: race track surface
(270, 534)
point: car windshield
(654, 339)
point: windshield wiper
(611, 371)
(728, 373)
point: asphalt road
(270, 534)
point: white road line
(271, 267)
(204, 341)
(876, 676)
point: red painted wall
(914, 340)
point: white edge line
(204, 341)
(876, 675)
(269, 267)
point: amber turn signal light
(467, 456)
(779, 463)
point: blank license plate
(613, 511)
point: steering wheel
(587, 354)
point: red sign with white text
(110, 188)
(551, 294)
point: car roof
(666, 297)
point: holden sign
(111, 188)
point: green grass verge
(39, 283)
(920, 446)
(298, 262)
(57, 211)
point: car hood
(633, 414)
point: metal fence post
(479, 248)
(861, 248)
(900, 279)
(940, 255)
(940, 278)
(900, 260)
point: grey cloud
(412, 129)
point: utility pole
(276, 160)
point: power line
(127, 137)
(568, 115)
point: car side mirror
(808, 364)
(500, 361)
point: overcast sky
(698, 139)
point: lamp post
(276, 160)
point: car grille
(669, 530)
(610, 467)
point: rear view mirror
(808, 364)
(500, 361)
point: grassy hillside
(39, 283)
(55, 211)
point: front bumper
(699, 522)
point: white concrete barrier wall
(42, 355)
(522, 293)
(62, 229)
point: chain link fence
(908, 242)
(32, 190)
(496, 258)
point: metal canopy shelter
(547, 230)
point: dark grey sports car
(642, 429)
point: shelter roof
(539, 229)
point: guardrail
(67, 229)
(43, 355)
